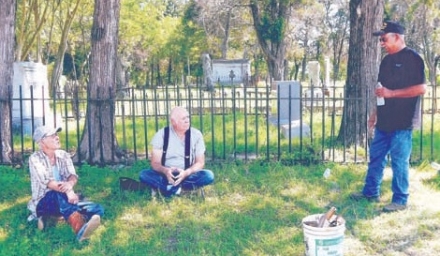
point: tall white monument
(30, 97)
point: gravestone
(207, 72)
(314, 94)
(236, 71)
(289, 101)
(314, 71)
(31, 77)
(288, 95)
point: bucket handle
(306, 243)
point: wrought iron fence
(239, 123)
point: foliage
(272, 29)
(189, 41)
(167, 37)
(309, 155)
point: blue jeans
(158, 181)
(56, 203)
(398, 144)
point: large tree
(421, 19)
(62, 46)
(270, 20)
(337, 23)
(362, 70)
(32, 16)
(98, 144)
(7, 26)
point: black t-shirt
(397, 71)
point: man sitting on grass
(53, 177)
(178, 157)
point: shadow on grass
(251, 209)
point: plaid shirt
(41, 173)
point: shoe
(359, 196)
(40, 223)
(394, 207)
(153, 192)
(178, 191)
(88, 228)
(171, 191)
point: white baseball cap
(44, 131)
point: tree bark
(363, 65)
(7, 33)
(98, 143)
(271, 33)
(58, 66)
(28, 33)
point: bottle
(380, 100)
(327, 173)
(435, 165)
(324, 220)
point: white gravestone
(289, 110)
(31, 77)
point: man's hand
(65, 186)
(175, 176)
(170, 172)
(72, 197)
(371, 124)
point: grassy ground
(252, 209)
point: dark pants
(56, 203)
(158, 181)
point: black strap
(187, 148)
(166, 136)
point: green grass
(228, 132)
(252, 209)
(236, 134)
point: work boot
(83, 230)
(394, 207)
(76, 221)
(360, 196)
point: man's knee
(207, 178)
(144, 175)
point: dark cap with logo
(390, 27)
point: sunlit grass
(253, 208)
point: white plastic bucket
(323, 241)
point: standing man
(402, 74)
(177, 158)
(53, 178)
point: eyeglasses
(384, 38)
(51, 136)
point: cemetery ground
(252, 208)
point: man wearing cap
(53, 178)
(402, 75)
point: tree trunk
(98, 143)
(7, 33)
(225, 40)
(362, 70)
(28, 33)
(270, 21)
(59, 61)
